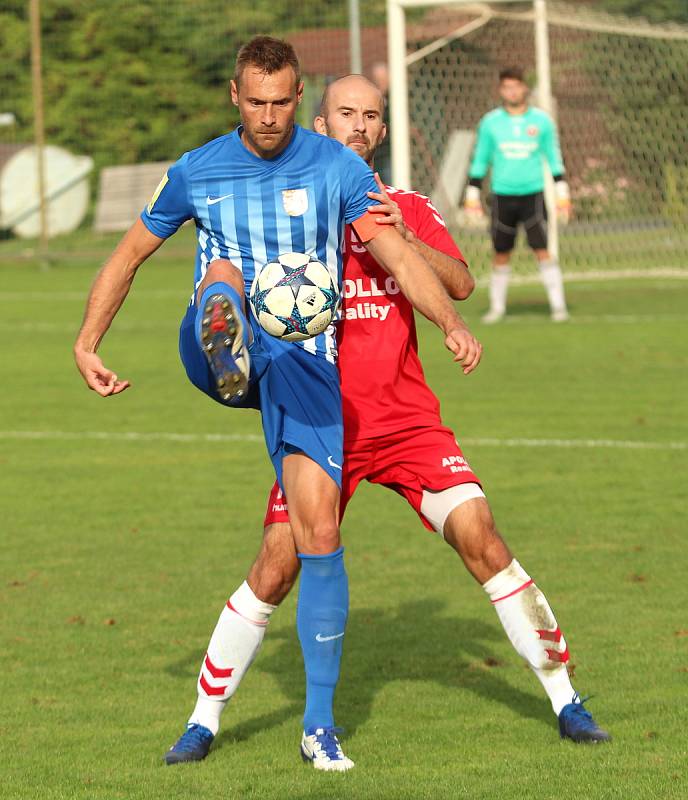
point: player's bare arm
(453, 274)
(107, 294)
(425, 292)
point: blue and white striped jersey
(250, 210)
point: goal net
(619, 92)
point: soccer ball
(294, 297)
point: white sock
(553, 281)
(499, 285)
(532, 629)
(233, 646)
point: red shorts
(425, 458)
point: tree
(655, 11)
(128, 81)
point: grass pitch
(125, 527)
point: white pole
(398, 95)
(355, 60)
(38, 123)
(544, 79)
(542, 62)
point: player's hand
(466, 348)
(388, 211)
(474, 216)
(97, 376)
(564, 208)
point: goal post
(399, 61)
(616, 87)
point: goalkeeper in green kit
(513, 140)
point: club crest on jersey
(532, 130)
(295, 201)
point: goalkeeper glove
(563, 202)
(474, 215)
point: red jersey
(383, 385)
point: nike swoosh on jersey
(320, 638)
(213, 200)
(330, 461)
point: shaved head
(353, 83)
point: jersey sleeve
(551, 149)
(169, 207)
(431, 229)
(356, 180)
(482, 154)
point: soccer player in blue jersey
(267, 188)
(378, 361)
(513, 140)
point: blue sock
(321, 614)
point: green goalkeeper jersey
(514, 146)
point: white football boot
(323, 751)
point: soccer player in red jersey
(394, 436)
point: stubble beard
(278, 142)
(369, 154)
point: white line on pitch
(155, 294)
(132, 436)
(588, 443)
(589, 319)
(597, 275)
(516, 280)
(68, 327)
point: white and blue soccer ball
(294, 297)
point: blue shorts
(297, 393)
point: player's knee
(470, 527)
(320, 538)
(324, 540)
(221, 266)
(221, 270)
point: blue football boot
(576, 723)
(222, 333)
(192, 745)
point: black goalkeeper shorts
(508, 210)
